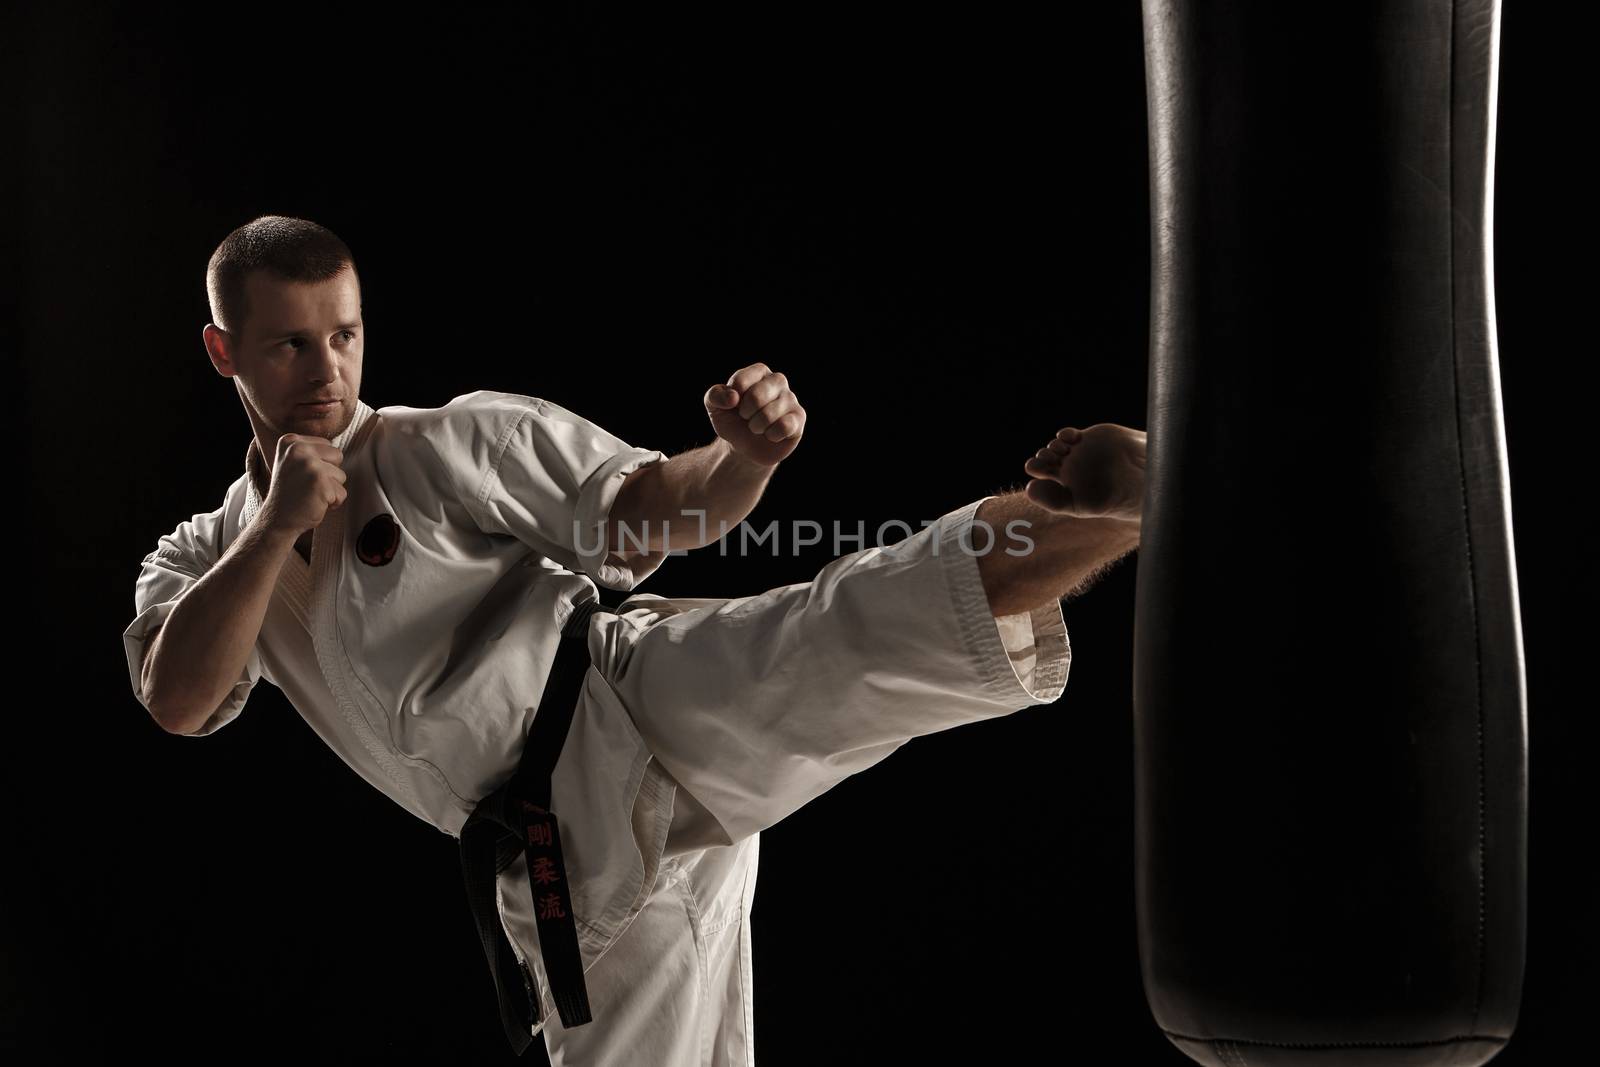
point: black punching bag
(1330, 723)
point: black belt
(517, 818)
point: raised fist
(307, 479)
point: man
(403, 576)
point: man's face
(302, 342)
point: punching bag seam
(1466, 509)
(1233, 1043)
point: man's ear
(219, 346)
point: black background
(937, 225)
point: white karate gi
(703, 721)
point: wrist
(741, 464)
(276, 538)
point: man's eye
(294, 341)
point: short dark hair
(288, 248)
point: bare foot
(1093, 473)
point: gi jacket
(417, 641)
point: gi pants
(758, 704)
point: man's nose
(325, 360)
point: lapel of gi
(327, 575)
(327, 571)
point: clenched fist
(757, 414)
(307, 479)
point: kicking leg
(758, 704)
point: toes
(1069, 434)
(1044, 464)
(1059, 447)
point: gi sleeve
(532, 469)
(180, 560)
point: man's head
(286, 326)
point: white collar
(252, 498)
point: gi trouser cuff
(959, 544)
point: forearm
(689, 501)
(201, 650)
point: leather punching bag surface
(1330, 723)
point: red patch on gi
(379, 541)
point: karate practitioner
(403, 575)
